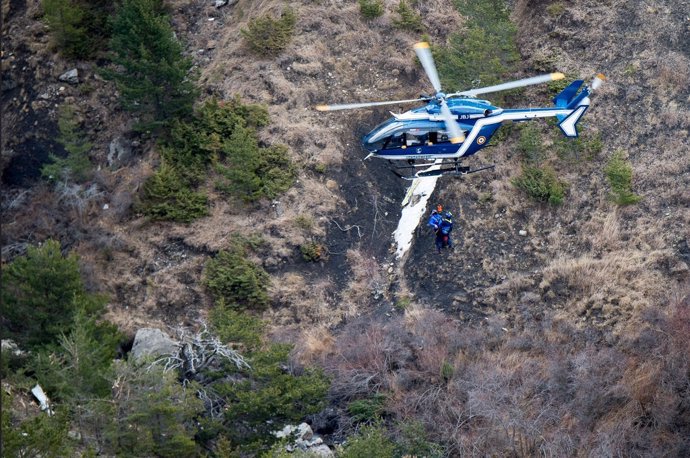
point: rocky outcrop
(304, 439)
(152, 342)
(70, 76)
(119, 151)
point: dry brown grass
(673, 70)
(368, 280)
(314, 345)
(302, 303)
(610, 289)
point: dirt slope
(588, 259)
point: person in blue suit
(442, 224)
(435, 218)
(444, 229)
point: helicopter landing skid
(456, 170)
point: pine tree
(76, 165)
(152, 413)
(66, 21)
(41, 293)
(79, 27)
(153, 76)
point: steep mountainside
(537, 304)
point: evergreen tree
(41, 293)
(153, 414)
(269, 396)
(79, 27)
(41, 435)
(76, 165)
(153, 76)
(80, 368)
(66, 21)
(235, 279)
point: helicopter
(454, 126)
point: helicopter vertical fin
(569, 124)
(576, 101)
(567, 95)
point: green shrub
(236, 280)
(585, 147)
(556, 87)
(618, 172)
(305, 222)
(367, 410)
(555, 9)
(267, 36)
(409, 19)
(271, 395)
(192, 145)
(413, 442)
(76, 165)
(403, 302)
(541, 183)
(447, 371)
(370, 440)
(65, 19)
(79, 28)
(222, 134)
(311, 251)
(276, 171)
(41, 292)
(167, 196)
(251, 172)
(371, 9)
(236, 327)
(530, 144)
(484, 52)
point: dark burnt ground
(28, 133)
(372, 195)
(492, 266)
(455, 281)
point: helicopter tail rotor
(597, 81)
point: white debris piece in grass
(419, 193)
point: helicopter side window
(419, 138)
(395, 141)
(411, 140)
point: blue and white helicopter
(454, 126)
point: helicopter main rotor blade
(424, 54)
(351, 106)
(511, 85)
(456, 134)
